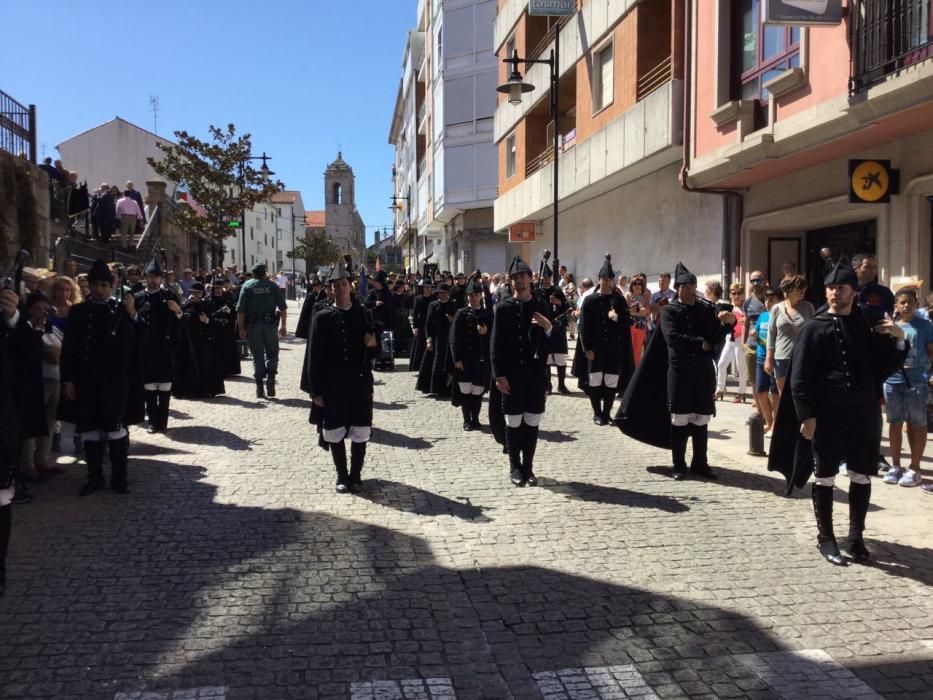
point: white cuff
(11, 322)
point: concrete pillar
(156, 192)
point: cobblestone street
(233, 570)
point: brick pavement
(233, 570)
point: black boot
(513, 442)
(357, 455)
(528, 454)
(152, 410)
(550, 386)
(679, 436)
(119, 450)
(826, 540)
(165, 398)
(94, 456)
(260, 389)
(596, 404)
(562, 379)
(609, 397)
(475, 408)
(699, 465)
(338, 451)
(6, 525)
(854, 546)
(466, 408)
(270, 384)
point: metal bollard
(756, 435)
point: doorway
(844, 240)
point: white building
(261, 237)
(442, 128)
(290, 229)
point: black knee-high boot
(357, 456)
(165, 398)
(699, 464)
(595, 395)
(550, 387)
(859, 499)
(609, 397)
(514, 439)
(338, 451)
(562, 379)
(6, 526)
(466, 409)
(823, 510)
(528, 454)
(152, 410)
(94, 456)
(477, 405)
(119, 456)
(679, 436)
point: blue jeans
(904, 403)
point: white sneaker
(910, 478)
(893, 476)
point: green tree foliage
(219, 176)
(316, 249)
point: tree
(316, 249)
(220, 177)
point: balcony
(422, 117)
(887, 36)
(654, 78)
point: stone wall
(24, 210)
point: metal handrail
(654, 78)
(547, 39)
(539, 161)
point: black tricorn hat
(475, 283)
(338, 273)
(197, 287)
(683, 276)
(519, 266)
(841, 273)
(606, 271)
(99, 272)
(153, 268)
(443, 287)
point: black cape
(644, 414)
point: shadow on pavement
(233, 401)
(141, 449)
(610, 495)
(207, 435)
(168, 589)
(411, 499)
(178, 415)
(557, 436)
(393, 406)
(902, 560)
(292, 403)
(240, 378)
(381, 436)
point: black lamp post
(266, 174)
(516, 87)
(395, 206)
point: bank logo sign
(802, 12)
(552, 7)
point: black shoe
(57, 442)
(679, 474)
(355, 486)
(854, 548)
(121, 489)
(704, 472)
(830, 551)
(260, 389)
(516, 476)
(531, 479)
(270, 386)
(21, 498)
(90, 487)
(550, 389)
(598, 420)
(342, 487)
(152, 429)
(467, 426)
(561, 389)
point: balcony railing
(887, 36)
(548, 37)
(17, 127)
(539, 161)
(654, 78)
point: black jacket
(469, 347)
(611, 341)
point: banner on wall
(523, 232)
(801, 13)
(553, 8)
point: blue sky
(303, 77)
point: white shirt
(282, 281)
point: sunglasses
(757, 280)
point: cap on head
(99, 272)
(683, 276)
(197, 287)
(841, 273)
(606, 271)
(153, 268)
(518, 267)
(443, 287)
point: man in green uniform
(261, 302)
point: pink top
(739, 322)
(127, 206)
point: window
(337, 194)
(510, 157)
(760, 51)
(603, 83)
(251, 233)
(509, 51)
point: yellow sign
(870, 181)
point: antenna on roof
(154, 104)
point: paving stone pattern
(233, 565)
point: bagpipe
(12, 277)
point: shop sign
(800, 13)
(523, 232)
(872, 181)
(554, 8)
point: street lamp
(395, 206)
(265, 174)
(516, 86)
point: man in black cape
(199, 368)
(433, 377)
(419, 317)
(828, 412)
(315, 300)
(606, 343)
(98, 351)
(382, 304)
(520, 345)
(678, 367)
(554, 300)
(469, 351)
(343, 346)
(222, 311)
(158, 321)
